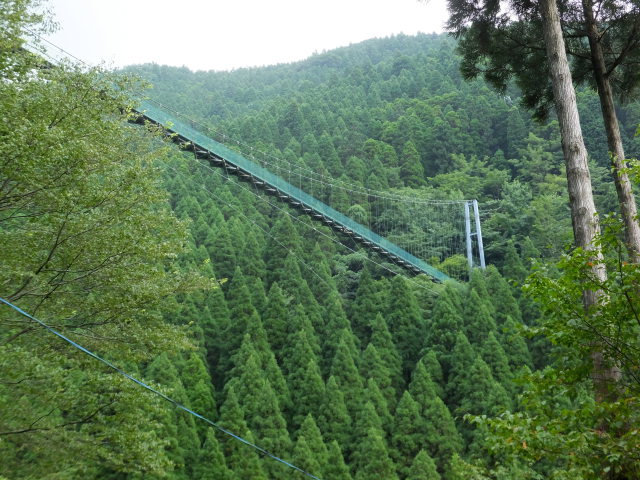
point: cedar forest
(253, 316)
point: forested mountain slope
(319, 355)
(395, 112)
(264, 321)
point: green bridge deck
(218, 155)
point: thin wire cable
(156, 392)
(297, 219)
(285, 166)
(356, 188)
(255, 224)
(385, 198)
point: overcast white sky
(228, 34)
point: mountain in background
(394, 113)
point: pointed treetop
(336, 468)
(423, 468)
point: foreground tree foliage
(565, 427)
(88, 242)
(501, 41)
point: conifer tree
(320, 280)
(373, 394)
(163, 372)
(309, 143)
(495, 357)
(191, 258)
(478, 319)
(254, 329)
(364, 307)
(211, 464)
(250, 260)
(462, 358)
(373, 367)
(298, 320)
(513, 267)
(304, 459)
(213, 326)
(337, 330)
(180, 426)
(242, 313)
(240, 458)
(408, 434)
(501, 295)
(223, 253)
(298, 351)
(201, 401)
(382, 340)
(212, 214)
(303, 378)
(379, 464)
(247, 378)
(433, 368)
(442, 439)
(275, 377)
(339, 197)
(366, 418)
(423, 468)
(406, 323)
(309, 397)
(258, 295)
(275, 319)
(283, 240)
(444, 322)
(315, 443)
(329, 155)
(188, 207)
(261, 407)
(478, 283)
(200, 393)
(189, 442)
(411, 169)
(514, 345)
(335, 421)
(479, 394)
(238, 296)
(335, 317)
(238, 231)
(270, 429)
(336, 468)
(200, 231)
(228, 200)
(192, 312)
(209, 241)
(344, 371)
(294, 285)
(267, 364)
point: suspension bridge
(421, 237)
(218, 155)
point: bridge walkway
(218, 155)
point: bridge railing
(202, 143)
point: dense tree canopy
(82, 212)
(307, 348)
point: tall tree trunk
(583, 210)
(623, 185)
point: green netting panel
(156, 115)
